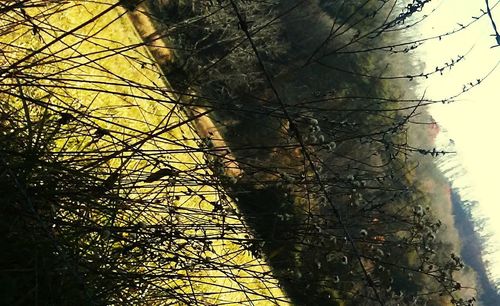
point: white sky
(474, 121)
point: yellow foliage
(104, 76)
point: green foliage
(337, 207)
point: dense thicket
(108, 195)
(316, 101)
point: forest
(225, 152)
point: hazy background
(471, 124)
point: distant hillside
(471, 243)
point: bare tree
(232, 152)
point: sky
(473, 121)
